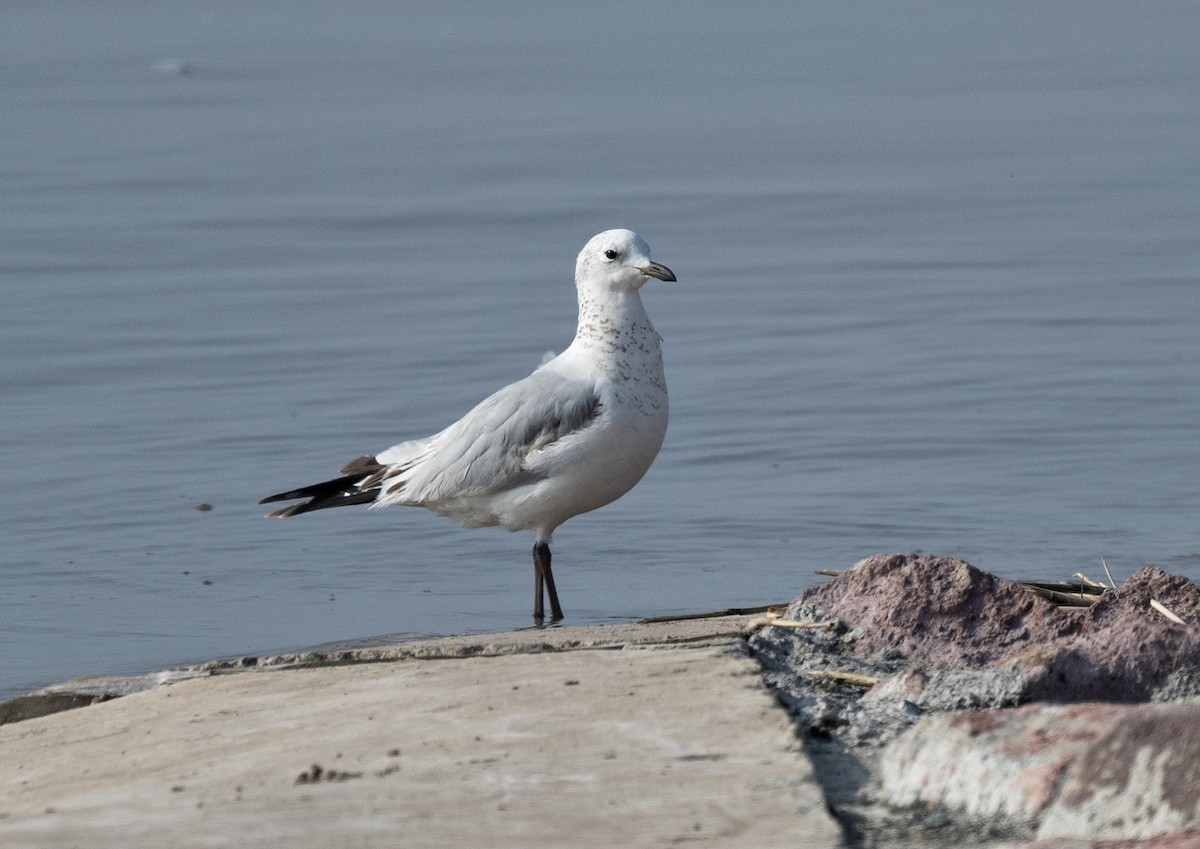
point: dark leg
(538, 611)
(543, 574)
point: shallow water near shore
(938, 291)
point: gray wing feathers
(485, 452)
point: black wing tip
(293, 494)
(338, 492)
(283, 512)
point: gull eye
(611, 254)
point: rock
(84, 691)
(960, 689)
(1124, 650)
(990, 764)
(941, 612)
(945, 615)
(1086, 771)
(1188, 839)
(939, 635)
(1140, 779)
(791, 659)
(35, 705)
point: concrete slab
(629, 745)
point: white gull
(575, 435)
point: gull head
(618, 260)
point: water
(938, 291)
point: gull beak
(660, 272)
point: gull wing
(486, 451)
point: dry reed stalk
(1106, 572)
(795, 624)
(715, 614)
(1064, 593)
(844, 677)
(1162, 608)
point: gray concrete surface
(625, 736)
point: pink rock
(1125, 649)
(991, 765)
(1140, 779)
(1189, 839)
(1087, 771)
(945, 614)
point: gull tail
(338, 492)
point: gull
(575, 435)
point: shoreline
(724, 731)
(496, 739)
(84, 690)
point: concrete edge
(87, 690)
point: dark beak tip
(660, 272)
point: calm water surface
(938, 290)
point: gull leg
(538, 610)
(543, 574)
